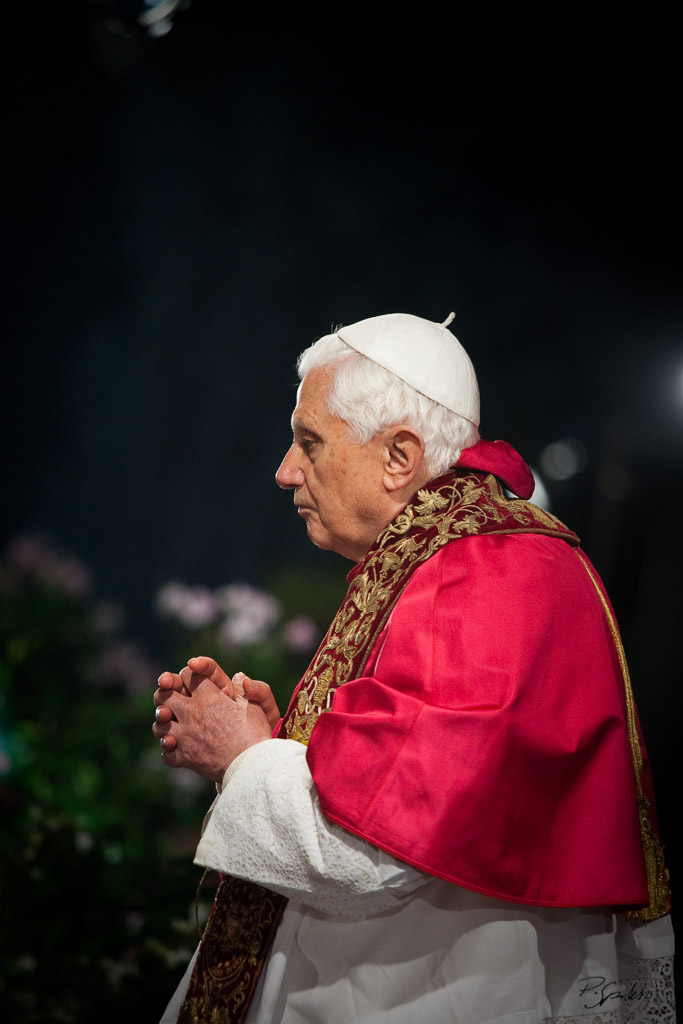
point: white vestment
(367, 938)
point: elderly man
(453, 822)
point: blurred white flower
(300, 634)
(193, 607)
(84, 841)
(169, 599)
(249, 614)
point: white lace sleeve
(646, 969)
(266, 825)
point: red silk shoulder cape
(486, 742)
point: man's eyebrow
(307, 430)
(299, 426)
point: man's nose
(289, 474)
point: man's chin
(316, 537)
(324, 542)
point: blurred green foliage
(97, 885)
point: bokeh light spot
(563, 459)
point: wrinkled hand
(189, 678)
(201, 668)
(255, 690)
(208, 726)
(209, 733)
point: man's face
(337, 483)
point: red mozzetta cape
(486, 742)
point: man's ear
(404, 452)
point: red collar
(501, 459)
(497, 457)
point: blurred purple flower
(135, 921)
(28, 553)
(33, 557)
(192, 607)
(109, 617)
(70, 575)
(301, 634)
(5, 759)
(123, 661)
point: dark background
(186, 213)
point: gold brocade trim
(460, 505)
(233, 951)
(657, 873)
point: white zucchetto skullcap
(423, 354)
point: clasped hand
(204, 718)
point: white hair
(369, 399)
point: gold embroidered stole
(232, 953)
(463, 505)
(245, 916)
